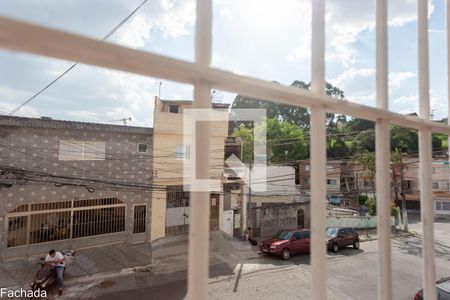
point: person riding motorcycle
(56, 259)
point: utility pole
(402, 186)
(159, 90)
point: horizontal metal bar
(26, 37)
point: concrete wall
(354, 222)
(274, 217)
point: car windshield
(332, 231)
(283, 235)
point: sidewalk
(87, 262)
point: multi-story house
(440, 185)
(69, 185)
(171, 200)
(333, 176)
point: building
(67, 184)
(171, 201)
(440, 185)
(333, 179)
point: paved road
(351, 275)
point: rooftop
(46, 122)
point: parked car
(443, 290)
(286, 242)
(341, 237)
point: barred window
(177, 197)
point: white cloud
(352, 73)
(135, 33)
(177, 20)
(396, 78)
(346, 20)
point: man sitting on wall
(56, 259)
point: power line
(75, 64)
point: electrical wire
(76, 63)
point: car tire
(335, 248)
(356, 244)
(285, 254)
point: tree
(366, 140)
(285, 141)
(337, 148)
(398, 170)
(372, 206)
(367, 162)
(246, 134)
(295, 115)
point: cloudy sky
(261, 38)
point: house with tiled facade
(69, 185)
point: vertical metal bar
(425, 157)
(448, 69)
(318, 155)
(71, 220)
(383, 182)
(199, 223)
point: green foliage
(337, 148)
(372, 206)
(295, 115)
(394, 211)
(367, 161)
(285, 141)
(366, 140)
(347, 137)
(246, 134)
(362, 199)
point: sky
(266, 39)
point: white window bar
(425, 157)
(448, 68)
(382, 145)
(21, 36)
(198, 264)
(318, 155)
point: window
(175, 109)
(306, 234)
(140, 217)
(435, 185)
(176, 196)
(142, 148)
(306, 167)
(331, 181)
(298, 235)
(81, 150)
(182, 152)
(297, 175)
(445, 205)
(438, 205)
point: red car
(287, 242)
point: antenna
(124, 120)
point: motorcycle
(45, 278)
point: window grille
(20, 36)
(140, 218)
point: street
(351, 275)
